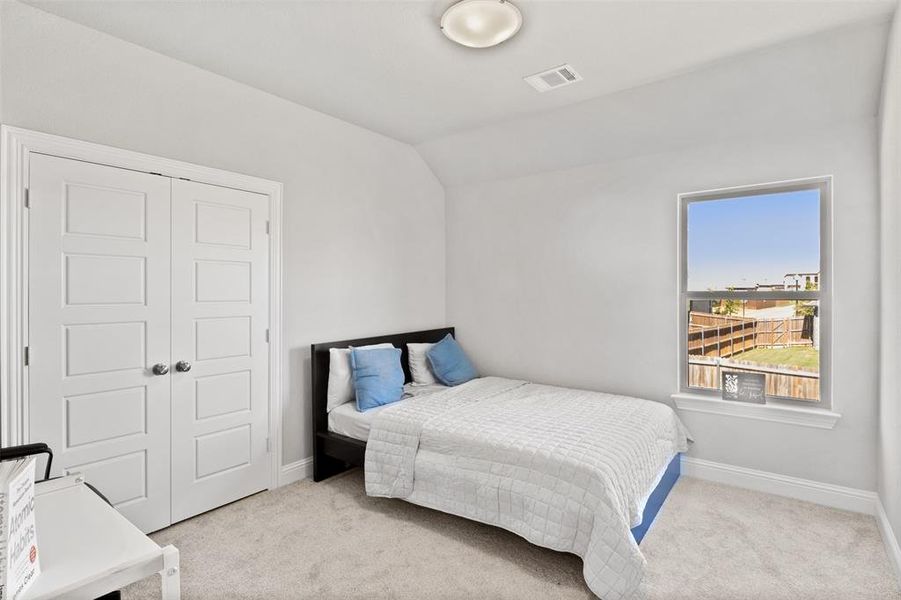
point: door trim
(16, 145)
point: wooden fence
(797, 384)
(794, 331)
(722, 336)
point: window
(754, 289)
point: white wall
(364, 215)
(889, 441)
(569, 277)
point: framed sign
(744, 387)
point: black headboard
(319, 360)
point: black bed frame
(334, 453)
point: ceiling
(385, 65)
(822, 81)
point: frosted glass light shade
(481, 23)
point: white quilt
(566, 469)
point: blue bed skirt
(657, 497)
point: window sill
(805, 417)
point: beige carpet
(329, 541)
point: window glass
(765, 242)
(780, 338)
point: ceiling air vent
(553, 78)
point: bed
(571, 470)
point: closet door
(99, 321)
(220, 314)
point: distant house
(801, 281)
(787, 284)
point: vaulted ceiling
(824, 80)
(385, 65)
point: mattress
(566, 469)
(347, 420)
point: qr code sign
(730, 383)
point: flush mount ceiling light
(481, 23)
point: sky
(754, 239)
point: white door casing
(19, 149)
(99, 304)
(220, 316)
(130, 271)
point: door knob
(182, 366)
(160, 369)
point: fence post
(703, 345)
(731, 337)
(816, 332)
(719, 378)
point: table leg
(170, 576)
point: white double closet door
(148, 308)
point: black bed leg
(326, 466)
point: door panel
(220, 312)
(122, 479)
(92, 279)
(99, 318)
(105, 416)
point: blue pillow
(378, 376)
(449, 362)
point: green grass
(801, 357)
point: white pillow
(419, 365)
(340, 378)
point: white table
(87, 549)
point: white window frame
(815, 414)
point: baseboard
(888, 536)
(826, 494)
(295, 471)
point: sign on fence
(744, 387)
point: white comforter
(566, 469)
